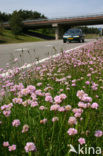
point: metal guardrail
(71, 17)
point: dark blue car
(73, 35)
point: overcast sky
(54, 8)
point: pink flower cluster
(44, 121)
(72, 120)
(17, 100)
(16, 123)
(94, 105)
(25, 128)
(72, 131)
(12, 148)
(83, 96)
(81, 141)
(98, 133)
(30, 146)
(49, 98)
(58, 99)
(77, 112)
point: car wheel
(64, 41)
(80, 40)
(83, 40)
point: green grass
(8, 37)
(24, 92)
(91, 36)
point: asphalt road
(29, 52)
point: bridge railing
(71, 17)
(60, 18)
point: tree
(29, 14)
(16, 23)
(1, 28)
(4, 17)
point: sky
(54, 8)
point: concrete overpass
(58, 23)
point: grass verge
(8, 37)
(46, 108)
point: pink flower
(83, 96)
(72, 120)
(54, 107)
(30, 146)
(49, 99)
(10, 105)
(44, 121)
(42, 108)
(31, 88)
(77, 110)
(38, 92)
(77, 115)
(55, 119)
(25, 103)
(47, 94)
(82, 105)
(0, 122)
(80, 94)
(34, 104)
(39, 84)
(16, 59)
(98, 133)
(72, 131)
(61, 109)
(17, 100)
(81, 141)
(97, 96)
(87, 82)
(6, 144)
(12, 148)
(89, 75)
(24, 91)
(94, 105)
(63, 96)
(33, 96)
(86, 98)
(73, 84)
(94, 88)
(61, 90)
(7, 113)
(5, 107)
(25, 128)
(67, 107)
(16, 123)
(57, 99)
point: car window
(74, 31)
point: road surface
(29, 52)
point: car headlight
(75, 36)
(66, 36)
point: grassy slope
(91, 36)
(8, 37)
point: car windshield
(74, 31)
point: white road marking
(45, 59)
(49, 45)
(21, 49)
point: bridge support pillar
(55, 25)
(56, 33)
